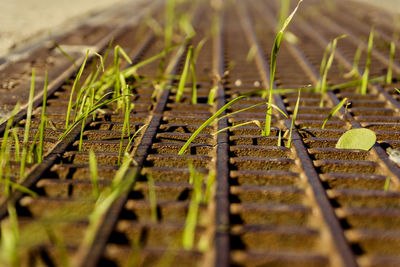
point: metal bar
(222, 211)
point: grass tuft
(274, 53)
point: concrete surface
(24, 20)
(389, 5)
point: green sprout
(333, 111)
(184, 75)
(274, 53)
(296, 109)
(322, 86)
(10, 238)
(354, 71)
(94, 176)
(75, 84)
(152, 198)
(387, 184)
(27, 125)
(207, 123)
(42, 121)
(392, 54)
(192, 215)
(364, 79)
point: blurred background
(24, 21)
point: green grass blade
(131, 71)
(322, 67)
(124, 54)
(152, 198)
(283, 13)
(133, 136)
(209, 187)
(364, 80)
(211, 95)
(184, 75)
(65, 54)
(78, 77)
(4, 156)
(22, 189)
(192, 215)
(10, 238)
(327, 67)
(27, 125)
(208, 122)
(333, 112)
(256, 122)
(42, 120)
(387, 184)
(279, 138)
(16, 145)
(296, 110)
(194, 82)
(94, 176)
(390, 67)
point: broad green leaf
(361, 138)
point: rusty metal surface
(307, 205)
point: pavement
(24, 21)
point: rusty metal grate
(307, 205)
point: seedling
(209, 187)
(94, 176)
(364, 79)
(75, 84)
(99, 103)
(294, 115)
(387, 184)
(184, 75)
(321, 86)
(194, 80)
(256, 122)
(126, 125)
(42, 121)
(60, 246)
(354, 71)
(274, 53)
(152, 198)
(392, 54)
(333, 111)
(10, 238)
(132, 137)
(208, 122)
(192, 215)
(211, 95)
(360, 138)
(252, 53)
(122, 182)
(279, 138)
(215, 117)
(16, 145)
(27, 125)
